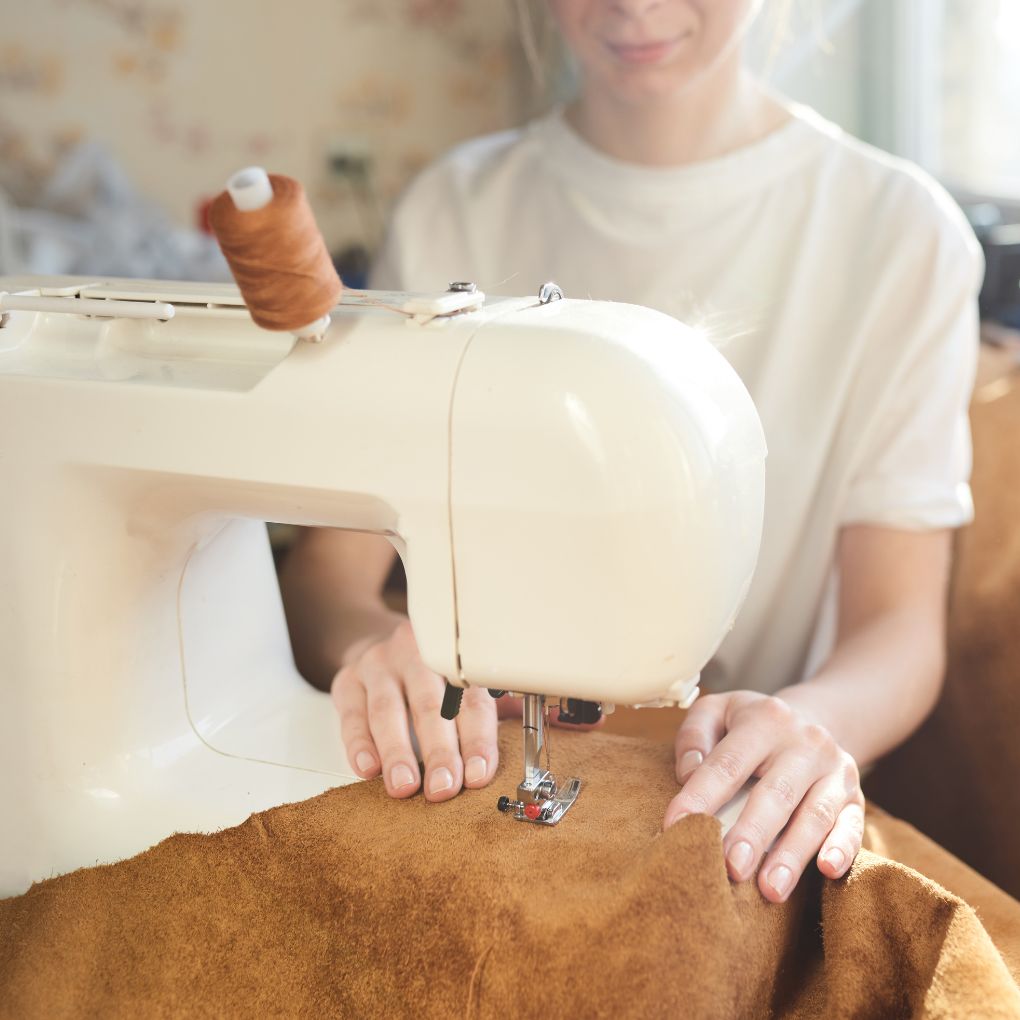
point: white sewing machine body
(576, 489)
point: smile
(645, 53)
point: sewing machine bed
(354, 905)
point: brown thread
(278, 257)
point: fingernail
(689, 761)
(441, 779)
(364, 761)
(835, 858)
(675, 819)
(780, 878)
(741, 856)
(475, 769)
(401, 776)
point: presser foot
(541, 800)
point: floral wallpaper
(351, 96)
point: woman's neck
(724, 111)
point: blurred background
(120, 118)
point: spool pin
(268, 235)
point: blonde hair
(780, 13)
(535, 30)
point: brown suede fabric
(958, 778)
(355, 905)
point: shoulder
(906, 215)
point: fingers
(808, 801)
(768, 809)
(830, 817)
(477, 726)
(701, 730)
(373, 718)
(374, 697)
(387, 722)
(437, 737)
(724, 771)
(352, 705)
(842, 844)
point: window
(978, 95)
(936, 81)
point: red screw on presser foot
(532, 811)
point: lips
(644, 53)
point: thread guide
(161, 300)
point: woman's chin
(648, 86)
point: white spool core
(250, 189)
(314, 330)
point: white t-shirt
(839, 282)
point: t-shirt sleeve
(913, 461)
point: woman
(841, 284)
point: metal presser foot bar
(540, 799)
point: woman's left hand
(808, 794)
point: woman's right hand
(383, 680)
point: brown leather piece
(355, 905)
(278, 257)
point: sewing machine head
(576, 490)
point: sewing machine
(575, 488)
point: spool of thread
(275, 251)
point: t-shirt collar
(726, 178)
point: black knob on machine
(576, 712)
(452, 697)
